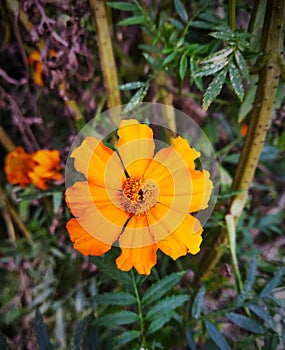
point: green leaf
(132, 21)
(160, 288)
(123, 6)
(176, 23)
(150, 48)
(241, 63)
(169, 58)
(217, 336)
(3, 343)
(236, 80)
(166, 305)
(190, 339)
(198, 302)
(273, 283)
(136, 99)
(131, 86)
(180, 9)
(218, 57)
(107, 265)
(193, 69)
(183, 66)
(78, 334)
(210, 69)
(41, 333)
(245, 322)
(117, 318)
(127, 336)
(261, 313)
(119, 298)
(250, 278)
(214, 89)
(159, 322)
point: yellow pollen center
(138, 195)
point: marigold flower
(137, 197)
(36, 168)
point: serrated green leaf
(218, 57)
(236, 80)
(131, 86)
(136, 99)
(241, 63)
(160, 288)
(3, 343)
(198, 302)
(210, 69)
(190, 339)
(132, 21)
(245, 322)
(159, 322)
(123, 6)
(223, 33)
(41, 333)
(80, 328)
(250, 278)
(183, 66)
(119, 298)
(117, 318)
(273, 283)
(180, 9)
(127, 336)
(217, 336)
(169, 58)
(166, 305)
(214, 89)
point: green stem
(143, 338)
(232, 14)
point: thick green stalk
(271, 47)
(232, 14)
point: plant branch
(107, 60)
(232, 14)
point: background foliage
(204, 58)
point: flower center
(138, 195)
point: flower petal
(96, 210)
(138, 248)
(83, 241)
(91, 159)
(202, 188)
(188, 153)
(135, 146)
(186, 239)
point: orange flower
(36, 168)
(137, 197)
(35, 58)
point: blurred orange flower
(35, 58)
(36, 168)
(137, 197)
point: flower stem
(143, 338)
(232, 14)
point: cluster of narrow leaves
(171, 50)
(138, 314)
(228, 61)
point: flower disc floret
(138, 195)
